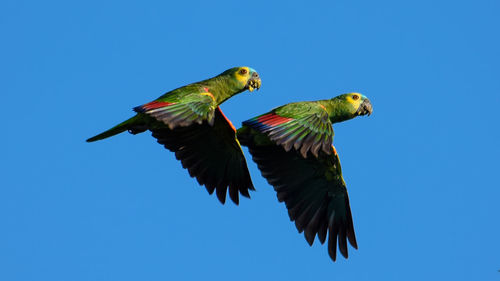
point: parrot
(189, 122)
(292, 147)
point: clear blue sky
(422, 171)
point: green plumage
(310, 184)
(189, 122)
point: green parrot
(292, 146)
(189, 122)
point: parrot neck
(222, 87)
(337, 110)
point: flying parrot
(292, 146)
(189, 122)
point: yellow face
(247, 77)
(360, 105)
(354, 99)
(243, 74)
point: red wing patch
(272, 119)
(267, 121)
(152, 105)
(156, 104)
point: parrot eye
(355, 97)
(243, 71)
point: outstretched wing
(192, 108)
(306, 133)
(212, 154)
(313, 190)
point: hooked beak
(365, 108)
(254, 82)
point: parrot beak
(254, 82)
(365, 108)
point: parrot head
(243, 78)
(356, 104)
(352, 105)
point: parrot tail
(134, 125)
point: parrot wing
(313, 190)
(190, 109)
(310, 132)
(211, 153)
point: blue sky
(421, 171)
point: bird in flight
(189, 122)
(292, 146)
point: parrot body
(292, 146)
(189, 122)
